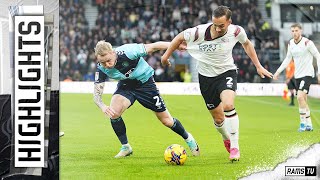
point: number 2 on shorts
(158, 103)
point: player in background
(302, 51)
(211, 45)
(291, 81)
(136, 82)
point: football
(175, 154)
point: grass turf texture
(268, 135)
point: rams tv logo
(300, 170)
(29, 91)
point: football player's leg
(308, 118)
(176, 126)
(291, 87)
(227, 97)
(119, 104)
(301, 97)
(148, 96)
(209, 91)
(172, 123)
(232, 119)
(219, 123)
(292, 97)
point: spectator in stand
(268, 5)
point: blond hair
(102, 47)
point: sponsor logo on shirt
(208, 47)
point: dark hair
(222, 11)
(296, 25)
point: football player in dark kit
(136, 82)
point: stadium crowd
(146, 21)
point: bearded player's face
(296, 33)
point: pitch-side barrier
(176, 88)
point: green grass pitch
(268, 136)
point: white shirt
(302, 53)
(214, 56)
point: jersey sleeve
(242, 35)
(314, 51)
(133, 51)
(190, 34)
(286, 61)
(100, 76)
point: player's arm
(283, 65)
(314, 51)
(97, 95)
(157, 46)
(99, 84)
(251, 52)
(175, 43)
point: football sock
(221, 128)
(179, 129)
(302, 112)
(190, 137)
(233, 121)
(308, 118)
(120, 129)
(292, 98)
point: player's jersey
(130, 65)
(302, 53)
(214, 56)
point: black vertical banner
(5, 134)
(52, 171)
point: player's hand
(263, 72)
(107, 110)
(182, 46)
(276, 76)
(165, 61)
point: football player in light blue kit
(136, 82)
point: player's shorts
(147, 94)
(291, 84)
(211, 87)
(303, 84)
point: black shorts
(303, 84)
(147, 94)
(291, 84)
(211, 87)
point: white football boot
(192, 143)
(126, 150)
